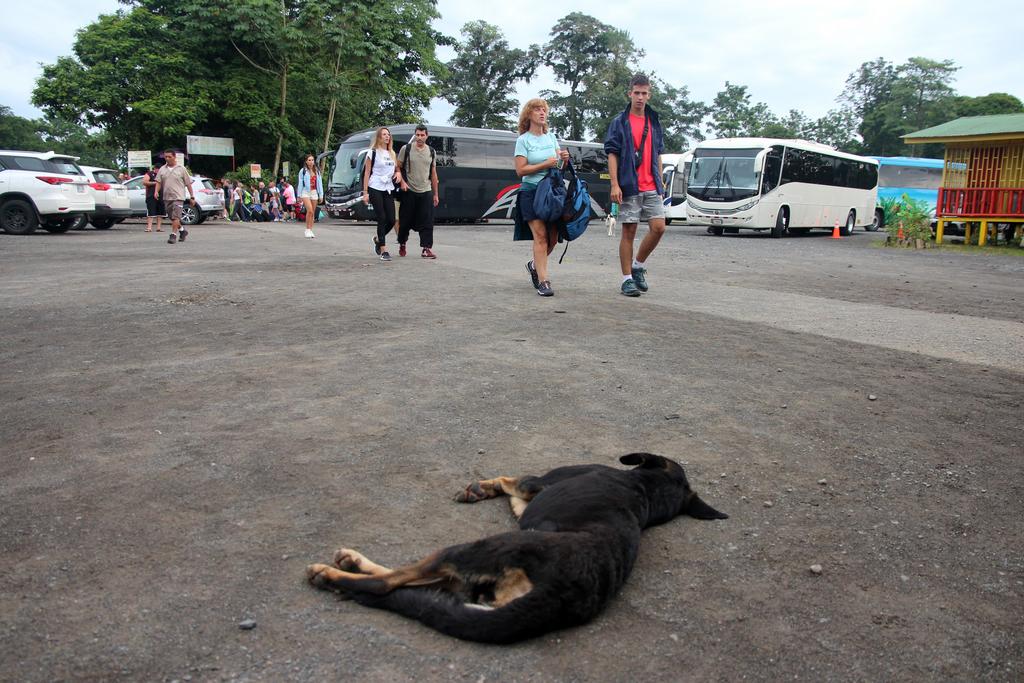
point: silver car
(209, 200)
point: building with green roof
(983, 174)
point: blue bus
(919, 179)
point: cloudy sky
(791, 54)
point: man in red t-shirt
(634, 145)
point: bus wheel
(781, 224)
(851, 221)
(878, 221)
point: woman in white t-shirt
(380, 178)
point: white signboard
(181, 158)
(218, 147)
(254, 170)
(140, 158)
(286, 167)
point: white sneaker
(309, 233)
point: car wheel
(781, 224)
(102, 223)
(58, 225)
(80, 222)
(877, 222)
(190, 214)
(17, 217)
(847, 228)
(202, 217)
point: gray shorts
(641, 207)
(173, 207)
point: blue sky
(791, 54)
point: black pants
(384, 207)
(417, 213)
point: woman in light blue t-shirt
(537, 150)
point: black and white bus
(781, 186)
(475, 169)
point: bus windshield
(346, 162)
(723, 175)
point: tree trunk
(284, 101)
(330, 111)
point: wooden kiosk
(983, 176)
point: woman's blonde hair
(391, 142)
(524, 115)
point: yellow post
(939, 228)
(983, 233)
(967, 231)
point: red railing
(978, 202)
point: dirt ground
(184, 428)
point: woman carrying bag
(537, 150)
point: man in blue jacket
(634, 145)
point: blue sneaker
(629, 288)
(640, 278)
(533, 274)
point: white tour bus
(785, 186)
(674, 170)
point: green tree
(894, 100)
(733, 115)
(375, 52)
(837, 128)
(993, 103)
(482, 77)
(127, 79)
(583, 53)
(17, 132)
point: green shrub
(910, 217)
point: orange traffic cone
(835, 232)
(899, 232)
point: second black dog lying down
(578, 539)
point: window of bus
(772, 169)
(346, 167)
(499, 156)
(910, 177)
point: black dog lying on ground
(579, 535)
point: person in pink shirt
(289, 200)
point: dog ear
(698, 509)
(644, 460)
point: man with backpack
(634, 144)
(419, 193)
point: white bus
(674, 170)
(785, 186)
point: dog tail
(520, 619)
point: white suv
(41, 188)
(111, 197)
(209, 200)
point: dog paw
(473, 493)
(321, 575)
(348, 560)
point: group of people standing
(634, 144)
(281, 202)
